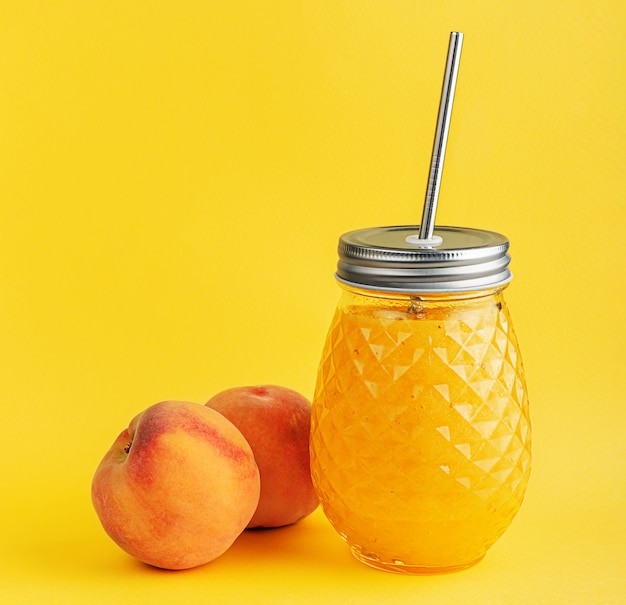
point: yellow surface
(173, 180)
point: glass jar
(420, 442)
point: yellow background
(174, 176)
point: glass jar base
(400, 567)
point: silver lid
(456, 259)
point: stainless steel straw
(427, 225)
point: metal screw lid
(458, 259)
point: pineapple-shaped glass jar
(420, 443)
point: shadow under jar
(421, 440)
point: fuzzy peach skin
(177, 487)
(276, 422)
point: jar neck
(422, 296)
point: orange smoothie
(420, 443)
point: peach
(276, 423)
(177, 487)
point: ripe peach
(177, 487)
(276, 423)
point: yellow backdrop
(173, 179)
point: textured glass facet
(420, 445)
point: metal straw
(441, 136)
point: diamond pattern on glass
(420, 422)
